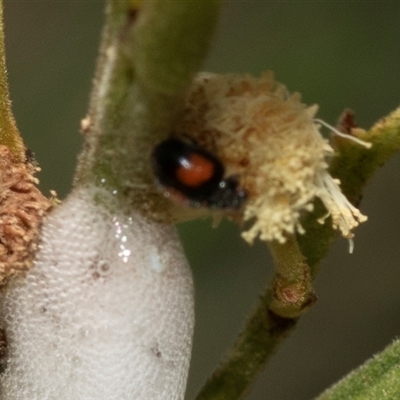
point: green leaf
(377, 379)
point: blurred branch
(9, 134)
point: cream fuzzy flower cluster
(271, 141)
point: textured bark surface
(22, 208)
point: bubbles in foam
(106, 312)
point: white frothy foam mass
(105, 313)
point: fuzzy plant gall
(271, 141)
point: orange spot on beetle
(195, 170)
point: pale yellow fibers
(269, 139)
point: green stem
(259, 340)
(148, 58)
(273, 319)
(9, 134)
(292, 284)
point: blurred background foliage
(336, 53)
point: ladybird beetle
(195, 176)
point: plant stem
(148, 58)
(9, 134)
(263, 333)
(273, 319)
(292, 284)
